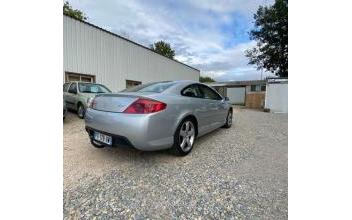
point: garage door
(277, 97)
(236, 95)
(69, 77)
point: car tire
(184, 137)
(96, 144)
(229, 119)
(81, 110)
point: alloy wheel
(187, 136)
(229, 118)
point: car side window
(66, 86)
(73, 88)
(192, 91)
(208, 93)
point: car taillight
(145, 106)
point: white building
(92, 54)
(276, 98)
(270, 94)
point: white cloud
(192, 27)
(247, 7)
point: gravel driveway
(237, 173)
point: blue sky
(209, 35)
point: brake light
(145, 106)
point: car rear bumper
(147, 132)
(116, 139)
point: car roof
(188, 82)
(181, 84)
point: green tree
(75, 13)
(271, 33)
(206, 79)
(163, 48)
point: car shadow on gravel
(71, 117)
(207, 137)
(133, 153)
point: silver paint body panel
(155, 131)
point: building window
(131, 83)
(69, 77)
(263, 88)
(253, 88)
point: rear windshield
(92, 88)
(150, 87)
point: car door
(71, 96)
(197, 103)
(215, 105)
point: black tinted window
(150, 87)
(192, 91)
(208, 93)
(73, 88)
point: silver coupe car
(155, 116)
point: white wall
(276, 98)
(236, 95)
(113, 60)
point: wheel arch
(79, 103)
(191, 117)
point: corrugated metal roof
(116, 35)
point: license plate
(102, 138)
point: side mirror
(227, 99)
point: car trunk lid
(116, 102)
